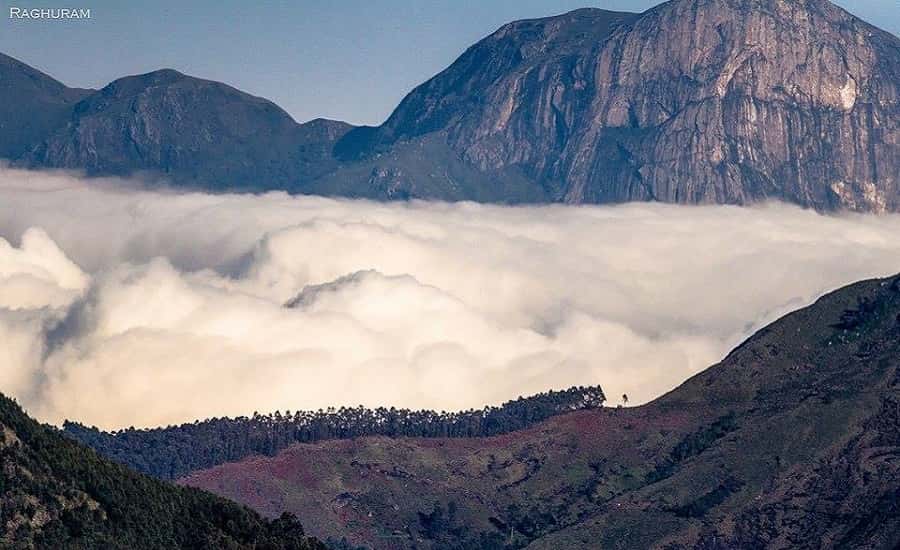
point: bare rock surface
(694, 101)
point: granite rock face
(694, 101)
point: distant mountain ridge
(193, 131)
(693, 101)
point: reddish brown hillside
(792, 441)
(373, 487)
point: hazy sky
(346, 59)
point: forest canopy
(174, 451)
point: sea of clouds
(121, 306)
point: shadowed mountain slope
(32, 104)
(55, 493)
(195, 132)
(792, 441)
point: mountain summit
(693, 101)
(191, 130)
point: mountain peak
(693, 101)
(192, 131)
(162, 76)
(140, 83)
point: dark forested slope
(56, 493)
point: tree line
(174, 451)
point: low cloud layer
(126, 307)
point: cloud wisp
(122, 307)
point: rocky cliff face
(695, 101)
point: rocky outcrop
(695, 101)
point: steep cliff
(694, 101)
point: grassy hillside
(55, 493)
(792, 441)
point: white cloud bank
(124, 307)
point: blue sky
(346, 59)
